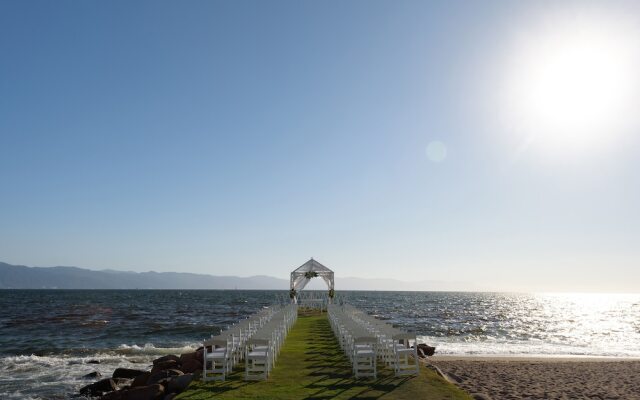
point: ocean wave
(59, 376)
(151, 349)
(492, 346)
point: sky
(494, 143)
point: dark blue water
(49, 337)
(45, 322)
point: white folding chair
(218, 359)
(364, 356)
(257, 359)
(405, 358)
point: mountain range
(23, 277)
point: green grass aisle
(311, 365)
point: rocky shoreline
(168, 376)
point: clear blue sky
(242, 138)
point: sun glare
(572, 84)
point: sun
(572, 84)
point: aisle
(311, 365)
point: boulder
(93, 362)
(92, 375)
(117, 395)
(197, 375)
(164, 365)
(141, 380)
(179, 383)
(197, 355)
(99, 388)
(188, 356)
(158, 376)
(127, 373)
(426, 350)
(164, 382)
(191, 366)
(121, 383)
(151, 392)
(169, 357)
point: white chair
(256, 340)
(405, 358)
(257, 359)
(218, 359)
(364, 357)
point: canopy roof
(312, 265)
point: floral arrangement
(292, 293)
(310, 274)
(332, 293)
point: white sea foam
(59, 377)
(150, 349)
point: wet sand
(503, 378)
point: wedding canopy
(304, 273)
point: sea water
(49, 339)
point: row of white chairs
(227, 349)
(264, 346)
(368, 342)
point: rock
(179, 383)
(480, 396)
(92, 375)
(121, 383)
(127, 373)
(164, 365)
(188, 356)
(170, 396)
(117, 395)
(164, 382)
(191, 366)
(151, 392)
(158, 376)
(99, 388)
(141, 380)
(169, 357)
(197, 355)
(93, 362)
(427, 350)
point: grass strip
(311, 365)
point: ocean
(49, 339)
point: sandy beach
(502, 378)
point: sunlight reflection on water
(514, 324)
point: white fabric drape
(300, 283)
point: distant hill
(23, 277)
